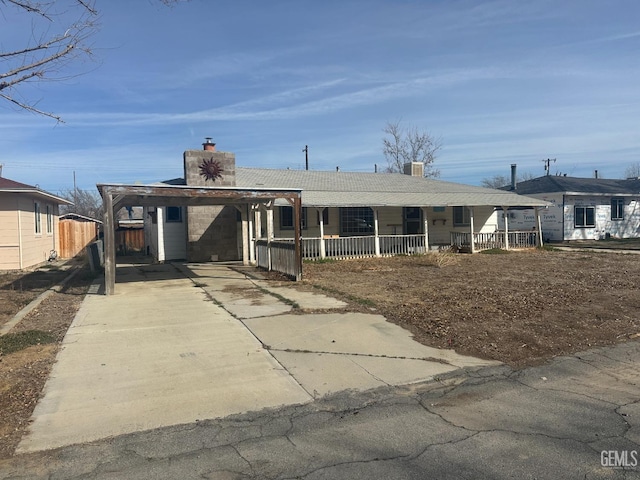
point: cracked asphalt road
(546, 422)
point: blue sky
(499, 82)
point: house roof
(11, 186)
(562, 184)
(77, 216)
(332, 189)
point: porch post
(257, 216)
(539, 224)
(426, 229)
(375, 231)
(258, 222)
(473, 243)
(252, 244)
(270, 221)
(323, 250)
(506, 227)
(160, 220)
(245, 232)
(269, 231)
(109, 246)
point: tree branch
(31, 108)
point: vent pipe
(514, 177)
(595, 173)
(208, 145)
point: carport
(116, 196)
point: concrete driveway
(183, 343)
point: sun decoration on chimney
(211, 169)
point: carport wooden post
(505, 214)
(245, 233)
(252, 245)
(109, 245)
(473, 243)
(426, 229)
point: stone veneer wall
(211, 230)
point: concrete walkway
(182, 343)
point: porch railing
(278, 255)
(360, 246)
(486, 241)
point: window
(585, 217)
(49, 219)
(286, 218)
(36, 211)
(617, 208)
(356, 220)
(174, 214)
(461, 216)
(325, 216)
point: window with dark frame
(174, 214)
(356, 220)
(36, 211)
(325, 216)
(584, 217)
(286, 218)
(461, 217)
(617, 208)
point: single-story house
(581, 208)
(28, 224)
(344, 214)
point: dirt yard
(24, 372)
(518, 307)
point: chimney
(1, 165)
(208, 145)
(415, 169)
(514, 177)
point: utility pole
(306, 157)
(75, 193)
(547, 165)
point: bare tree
(409, 145)
(499, 181)
(59, 34)
(632, 171)
(86, 202)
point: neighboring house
(28, 224)
(581, 208)
(344, 214)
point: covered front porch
(462, 228)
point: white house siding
(629, 227)
(175, 238)
(551, 218)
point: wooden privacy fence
(74, 236)
(129, 240)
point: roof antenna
(547, 163)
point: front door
(412, 224)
